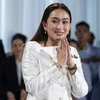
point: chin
(59, 38)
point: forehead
(59, 13)
(82, 27)
(17, 40)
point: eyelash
(64, 22)
(55, 21)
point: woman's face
(58, 25)
(16, 47)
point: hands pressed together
(64, 57)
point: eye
(65, 22)
(14, 45)
(20, 45)
(54, 21)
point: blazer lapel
(15, 69)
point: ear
(44, 25)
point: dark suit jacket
(8, 78)
(2, 53)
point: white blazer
(44, 81)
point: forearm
(37, 84)
(78, 84)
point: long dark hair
(40, 34)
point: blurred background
(24, 16)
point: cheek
(67, 28)
(13, 49)
(51, 26)
(51, 30)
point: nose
(59, 25)
(18, 48)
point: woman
(50, 70)
(11, 82)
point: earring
(45, 32)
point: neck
(82, 43)
(18, 57)
(82, 46)
(56, 43)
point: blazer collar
(50, 51)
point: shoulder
(0, 42)
(8, 60)
(32, 45)
(74, 51)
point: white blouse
(19, 71)
(44, 81)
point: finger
(64, 44)
(68, 48)
(61, 44)
(69, 53)
(67, 43)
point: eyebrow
(58, 18)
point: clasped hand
(64, 54)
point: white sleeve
(36, 82)
(77, 81)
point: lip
(60, 34)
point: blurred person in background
(11, 81)
(2, 52)
(90, 55)
(91, 39)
